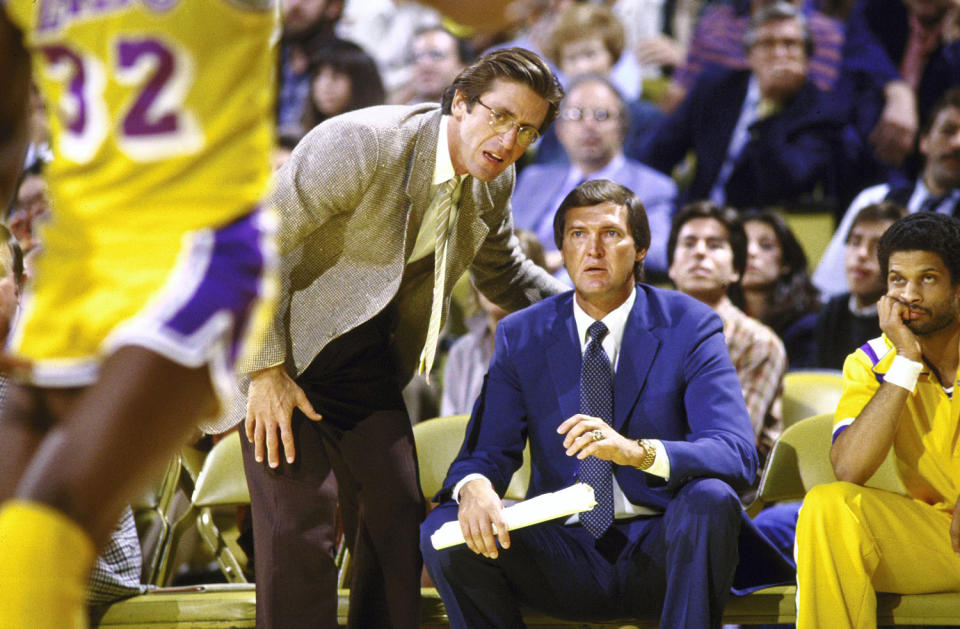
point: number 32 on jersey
(152, 122)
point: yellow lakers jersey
(160, 111)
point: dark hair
(508, 64)
(623, 113)
(346, 57)
(794, 294)
(736, 236)
(582, 20)
(599, 191)
(950, 98)
(875, 212)
(923, 231)
(465, 51)
(778, 11)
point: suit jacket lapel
(469, 230)
(419, 179)
(564, 358)
(637, 351)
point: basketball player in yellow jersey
(154, 263)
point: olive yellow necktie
(444, 201)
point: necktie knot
(597, 331)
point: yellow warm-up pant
(45, 561)
(854, 541)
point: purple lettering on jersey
(160, 5)
(137, 122)
(59, 54)
(55, 14)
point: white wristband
(904, 372)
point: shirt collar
(575, 175)
(870, 310)
(443, 166)
(921, 193)
(616, 322)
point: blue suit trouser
(680, 564)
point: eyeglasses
(584, 113)
(792, 45)
(504, 123)
(433, 54)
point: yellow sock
(45, 562)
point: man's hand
(481, 511)
(581, 441)
(271, 398)
(660, 50)
(891, 311)
(892, 138)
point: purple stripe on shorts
(231, 282)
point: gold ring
(597, 434)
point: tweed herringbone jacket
(350, 201)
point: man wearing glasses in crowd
(381, 211)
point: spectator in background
(438, 57)
(308, 25)
(707, 251)
(658, 33)
(718, 41)
(470, 354)
(919, 38)
(29, 206)
(777, 288)
(343, 77)
(937, 188)
(589, 39)
(760, 136)
(877, 108)
(849, 320)
(38, 134)
(386, 29)
(591, 127)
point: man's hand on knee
(271, 398)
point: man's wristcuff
(904, 373)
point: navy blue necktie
(596, 399)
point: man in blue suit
(591, 125)
(675, 433)
(761, 136)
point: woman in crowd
(777, 288)
(343, 78)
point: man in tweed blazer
(357, 241)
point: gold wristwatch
(649, 454)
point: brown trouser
(363, 453)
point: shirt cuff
(661, 463)
(463, 481)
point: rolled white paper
(574, 499)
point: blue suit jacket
(534, 202)
(674, 382)
(787, 155)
